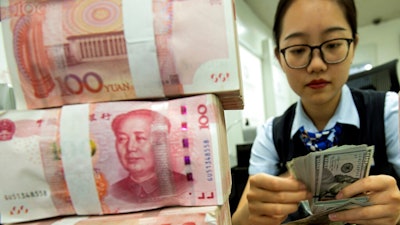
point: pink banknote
(115, 157)
(71, 51)
(200, 215)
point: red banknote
(71, 51)
(115, 157)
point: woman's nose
(317, 64)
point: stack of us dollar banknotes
(119, 111)
(327, 172)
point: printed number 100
(74, 85)
(203, 118)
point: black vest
(370, 107)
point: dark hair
(348, 7)
(156, 118)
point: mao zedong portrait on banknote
(140, 135)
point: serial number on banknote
(208, 160)
(26, 195)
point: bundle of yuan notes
(326, 172)
(114, 157)
(200, 215)
(72, 51)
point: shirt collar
(346, 113)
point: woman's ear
(277, 54)
(356, 38)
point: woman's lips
(317, 84)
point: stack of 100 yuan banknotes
(119, 111)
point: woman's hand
(384, 195)
(271, 199)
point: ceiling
(368, 10)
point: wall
(255, 31)
(251, 34)
(258, 39)
(255, 37)
(379, 43)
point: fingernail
(339, 196)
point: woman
(316, 40)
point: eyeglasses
(332, 52)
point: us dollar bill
(327, 172)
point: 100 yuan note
(116, 157)
(71, 51)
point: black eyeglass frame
(349, 41)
